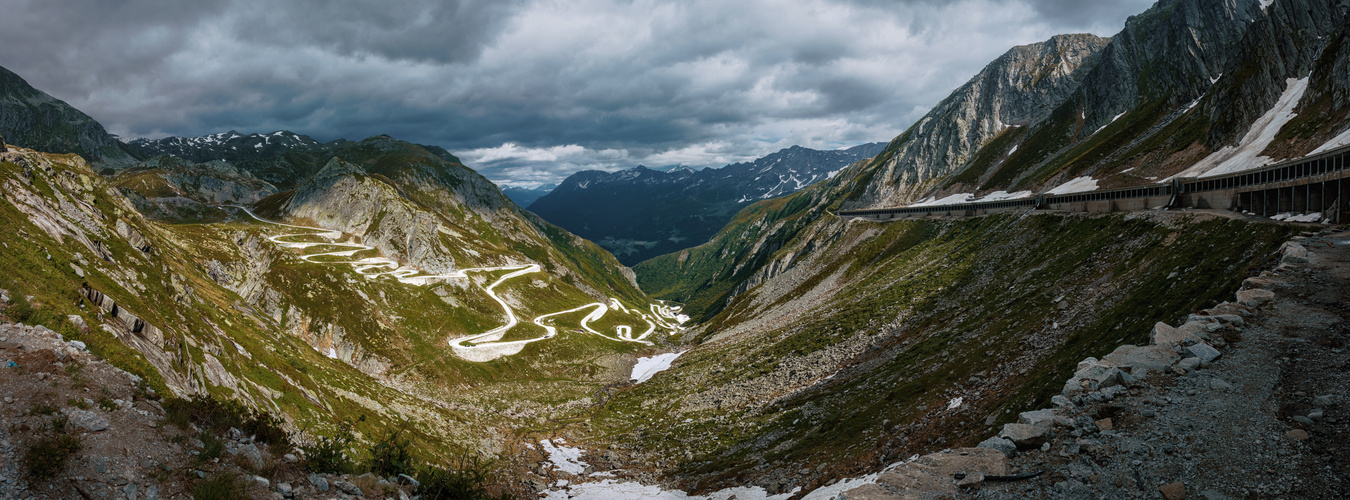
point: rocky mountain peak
(34, 119)
(1019, 88)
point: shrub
(222, 486)
(392, 455)
(328, 455)
(218, 416)
(212, 447)
(47, 457)
(467, 479)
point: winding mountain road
(480, 347)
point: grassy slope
(403, 325)
(935, 302)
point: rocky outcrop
(162, 185)
(33, 119)
(345, 197)
(1019, 89)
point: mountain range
(640, 213)
(525, 196)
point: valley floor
(1266, 419)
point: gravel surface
(1265, 420)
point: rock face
(1211, 68)
(281, 158)
(33, 119)
(641, 213)
(170, 187)
(1018, 89)
(345, 197)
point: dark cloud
(530, 90)
(1080, 13)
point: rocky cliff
(1183, 81)
(172, 188)
(1012, 93)
(33, 119)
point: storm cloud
(529, 91)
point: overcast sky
(527, 91)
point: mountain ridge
(642, 212)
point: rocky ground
(1246, 400)
(123, 447)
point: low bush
(47, 457)
(218, 416)
(221, 486)
(212, 447)
(328, 455)
(392, 456)
(468, 478)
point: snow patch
(1246, 155)
(1113, 120)
(564, 458)
(950, 200)
(1266, 3)
(1004, 195)
(1078, 185)
(647, 367)
(1291, 217)
(1334, 143)
(955, 403)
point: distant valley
(640, 213)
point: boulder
(252, 454)
(87, 420)
(1039, 418)
(1025, 436)
(999, 444)
(1232, 319)
(1173, 491)
(319, 482)
(1205, 352)
(1255, 297)
(346, 487)
(1154, 358)
(1189, 364)
(1293, 253)
(1094, 376)
(77, 321)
